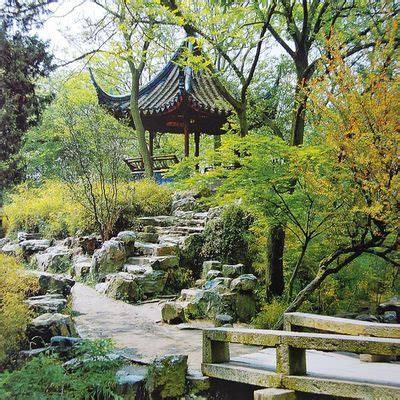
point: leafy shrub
(227, 238)
(15, 285)
(269, 314)
(47, 209)
(50, 209)
(45, 377)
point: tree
(91, 161)
(24, 59)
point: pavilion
(177, 100)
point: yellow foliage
(48, 209)
(15, 285)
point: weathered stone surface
(226, 282)
(82, 264)
(64, 343)
(89, 244)
(212, 274)
(197, 383)
(48, 325)
(22, 236)
(167, 376)
(48, 303)
(147, 237)
(245, 283)
(55, 259)
(164, 262)
(151, 282)
(367, 318)
(172, 312)
(165, 249)
(53, 283)
(245, 307)
(274, 394)
(11, 249)
(128, 239)
(208, 266)
(109, 258)
(130, 381)
(3, 242)
(393, 305)
(190, 294)
(137, 269)
(121, 286)
(34, 245)
(183, 201)
(199, 283)
(232, 270)
(149, 229)
(223, 319)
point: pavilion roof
(174, 86)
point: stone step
(161, 220)
(137, 269)
(157, 263)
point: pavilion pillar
(151, 143)
(186, 138)
(197, 144)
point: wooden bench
(291, 369)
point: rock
(190, 294)
(173, 313)
(223, 319)
(367, 318)
(232, 271)
(199, 283)
(22, 236)
(226, 282)
(212, 274)
(208, 266)
(390, 317)
(11, 249)
(245, 283)
(167, 376)
(183, 202)
(52, 283)
(55, 259)
(102, 287)
(197, 383)
(81, 264)
(128, 239)
(32, 246)
(70, 242)
(109, 258)
(130, 381)
(151, 282)
(165, 249)
(392, 305)
(121, 286)
(64, 344)
(148, 237)
(48, 303)
(149, 229)
(48, 325)
(245, 307)
(89, 244)
(3, 242)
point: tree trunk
(296, 270)
(244, 125)
(137, 121)
(274, 267)
(300, 102)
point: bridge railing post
(214, 351)
(290, 360)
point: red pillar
(186, 134)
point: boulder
(197, 383)
(223, 319)
(244, 283)
(109, 258)
(149, 229)
(167, 377)
(148, 237)
(232, 270)
(367, 318)
(199, 283)
(55, 259)
(89, 244)
(152, 282)
(32, 246)
(121, 286)
(210, 265)
(172, 312)
(11, 249)
(130, 381)
(245, 307)
(226, 282)
(165, 249)
(184, 201)
(48, 303)
(128, 239)
(52, 283)
(22, 236)
(190, 294)
(3, 242)
(81, 265)
(212, 274)
(48, 325)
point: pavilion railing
(160, 163)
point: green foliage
(45, 377)
(269, 314)
(227, 238)
(48, 209)
(15, 285)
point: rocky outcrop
(48, 303)
(32, 246)
(167, 377)
(81, 266)
(53, 283)
(109, 258)
(54, 259)
(173, 312)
